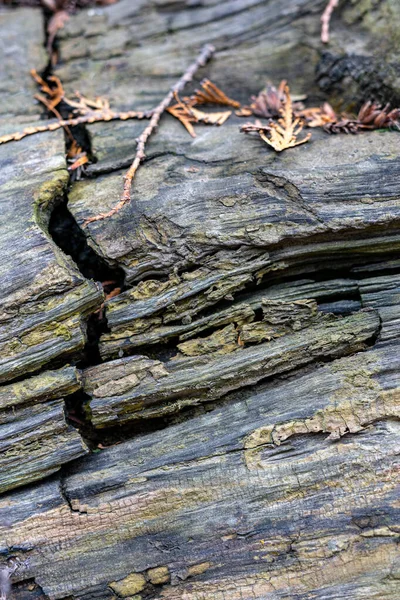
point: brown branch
(93, 117)
(326, 18)
(204, 56)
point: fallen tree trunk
(225, 424)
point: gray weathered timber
(195, 218)
(21, 51)
(189, 381)
(239, 195)
(35, 442)
(289, 491)
(130, 331)
(271, 471)
(41, 388)
(35, 439)
(384, 292)
(44, 297)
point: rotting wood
(222, 495)
(35, 439)
(130, 330)
(188, 381)
(287, 487)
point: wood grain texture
(259, 322)
(272, 506)
(44, 297)
(188, 381)
(35, 439)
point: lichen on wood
(270, 469)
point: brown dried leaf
(283, 134)
(183, 113)
(74, 150)
(373, 114)
(54, 94)
(217, 118)
(269, 103)
(79, 162)
(210, 94)
(370, 116)
(40, 81)
(245, 111)
(113, 293)
(86, 105)
(187, 114)
(317, 116)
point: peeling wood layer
(259, 323)
(189, 381)
(203, 493)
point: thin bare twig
(204, 56)
(326, 19)
(94, 117)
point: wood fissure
(199, 397)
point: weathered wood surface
(254, 492)
(188, 381)
(272, 475)
(35, 439)
(44, 296)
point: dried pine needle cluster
(185, 110)
(283, 133)
(284, 118)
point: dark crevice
(78, 404)
(28, 589)
(63, 489)
(324, 272)
(340, 302)
(65, 232)
(68, 236)
(78, 415)
(326, 265)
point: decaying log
(258, 320)
(130, 331)
(251, 498)
(44, 298)
(188, 381)
(35, 439)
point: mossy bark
(243, 411)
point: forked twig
(88, 111)
(326, 19)
(94, 117)
(204, 56)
